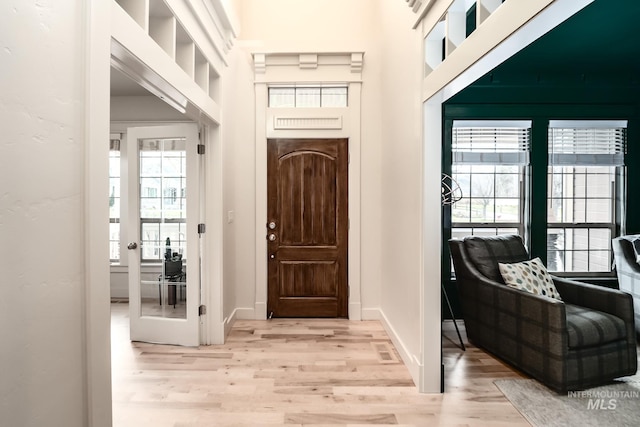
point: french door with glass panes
(164, 244)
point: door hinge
(202, 310)
(201, 149)
(202, 228)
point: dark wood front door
(307, 227)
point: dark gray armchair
(628, 271)
(584, 340)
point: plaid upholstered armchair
(581, 341)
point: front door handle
(132, 245)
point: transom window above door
(308, 96)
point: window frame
(520, 225)
(159, 194)
(499, 154)
(115, 145)
(617, 196)
(295, 94)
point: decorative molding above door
(283, 67)
(310, 122)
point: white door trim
(343, 68)
(97, 377)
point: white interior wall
(42, 214)
(239, 186)
(401, 173)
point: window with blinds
(488, 162)
(584, 176)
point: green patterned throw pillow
(530, 276)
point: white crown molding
(284, 67)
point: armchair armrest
(599, 298)
(524, 306)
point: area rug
(614, 405)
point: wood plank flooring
(299, 372)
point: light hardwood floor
(299, 372)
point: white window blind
(491, 142)
(587, 143)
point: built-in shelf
(453, 28)
(214, 85)
(486, 8)
(434, 48)
(138, 10)
(162, 27)
(201, 70)
(185, 51)
(157, 19)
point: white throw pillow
(530, 276)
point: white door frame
(97, 297)
(99, 31)
(290, 69)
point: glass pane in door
(163, 217)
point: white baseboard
(238, 313)
(411, 361)
(228, 323)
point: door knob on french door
(132, 245)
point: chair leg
(446, 297)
